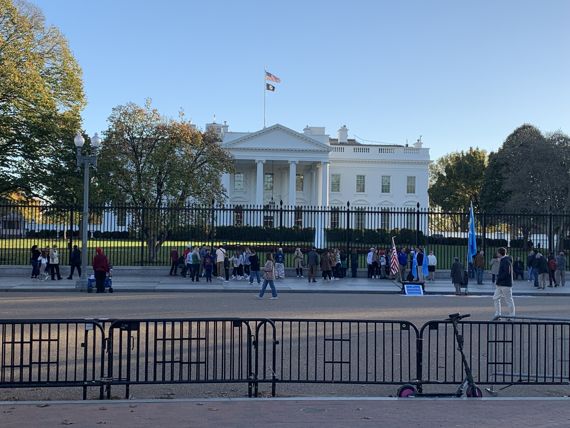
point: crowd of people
(244, 264)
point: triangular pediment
(276, 137)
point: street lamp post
(85, 160)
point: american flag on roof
(272, 77)
(394, 264)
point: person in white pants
(504, 286)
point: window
(268, 182)
(299, 182)
(385, 184)
(238, 181)
(411, 185)
(335, 182)
(360, 183)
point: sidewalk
(293, 412)
(160, 281)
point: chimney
(343, 135)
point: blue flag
(415, 265)
(425, 269)
(472, 237)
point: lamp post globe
(79, 140)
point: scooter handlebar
(457, 317)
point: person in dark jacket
(518, 268)
(540, 266)
(34, 256)
(174, 262)
(75, 262)
(354, 262)
(254, 267)
(504, 285)
(101, 268)
(457, 275)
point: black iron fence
(143, 236)
(253, 352)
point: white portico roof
(280, 141)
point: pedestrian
(479, 266)
(185, 266)
(174, 257)
(518, 268)
(246, 263)
(343, 264)
(326, 266)
(457, 275)
(43, 263)
(369, 260)
(312, 264)
(220, 258)
(403, 262)
(335, 264)
(560, 269)
(376, 264)
(432, 263)
(541, 267)
(254, 267)
(101, 269)
(382, 263)
(279, 264)
(34, 256)
(234, 262)
(551, 269)
(420, 264)
(354, 262)
(75, 262)
(195, 264)
(504, 286)
(54, 263)
(268, 277)
(202, 253)
(530, 266)
(208, 265)
(494, 266)
(298, 261)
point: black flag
(269, 87)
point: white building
(311, 169)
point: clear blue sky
(460, 73)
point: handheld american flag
(394, 264)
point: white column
(318, 185)
(259, 183)
(325, 183)
(292, 183)
(226, 184)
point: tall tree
(41, 96)
(152, 162)
(456, 179)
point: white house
(311, 169)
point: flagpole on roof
(264, 95)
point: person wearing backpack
(254, 267)
(457, 275)
(195, 265)
(208, 265)
(551, 269)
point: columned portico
(292, 183)
(259, 183)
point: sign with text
(413, 290)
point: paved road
(291, 413)
(318, 305)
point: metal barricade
(337, 351)
(174, 351)
(499, 353)
(52, 353)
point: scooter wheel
(407, 390)
(474, 392)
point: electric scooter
(466, 387)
